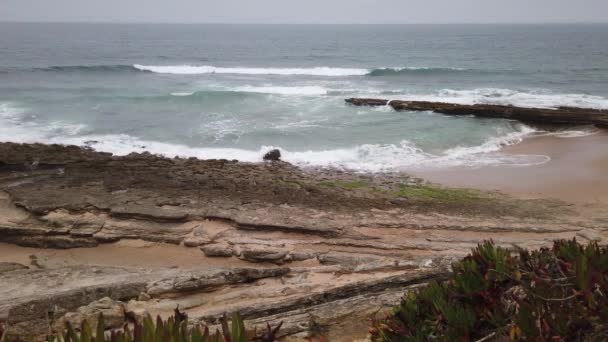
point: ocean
(236, 91)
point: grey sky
(306, 11)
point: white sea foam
(367, 157)
(397, 69)
(10, 112)
(15, 126)
(531, 98)
(493, 144)
(222, 128)
(571, 133)
(207, 69)
(182, 93)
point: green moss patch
(437, 193)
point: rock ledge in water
(540, 116)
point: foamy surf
(571, 133)
(364, 158)
(538, 98)
(207, 69)
(15, 126)
(309, 71)
(182, 93)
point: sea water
(236, 91)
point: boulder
(273, 155)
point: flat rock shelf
(538, 116)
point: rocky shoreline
(538, 116)
(321, 250)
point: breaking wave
(530, 98)
(365, 158)
(322, 71)
(419, 71)
(314, 71)
(89, 68)
(207, 69)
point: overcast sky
(306, 11)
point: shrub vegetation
(553, 294)
(174, 329)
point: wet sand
(577, 171)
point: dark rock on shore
(538, 116)
(273, 155)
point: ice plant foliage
(553, 294)
(174, 329)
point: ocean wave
(366, 158)
(89, 68)
(571, 133)
(10, 112)
(538, 98)
(182, 93)
(16, 126)
(530, 98)
(207, 69)
(312, 71)
(185, 69)
(418, 71)
(493, 144)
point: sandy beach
(577, 171)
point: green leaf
(238, 328)
(101, 328)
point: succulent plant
(553, 294)
(174, 329)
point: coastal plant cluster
(552, 294)
(174, 329)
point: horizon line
(303, 23)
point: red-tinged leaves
(556, 294)
(168, 331)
